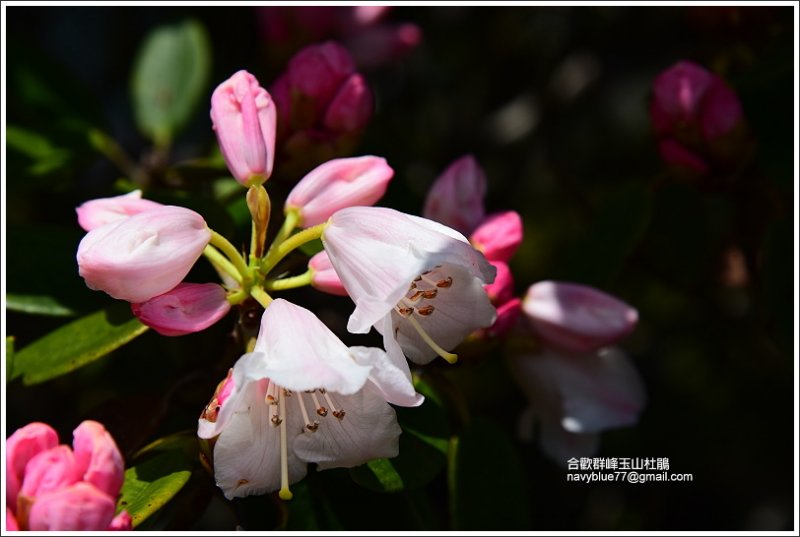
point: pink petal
(499, 236)
(21, 447)
(456, 197)
(188, 308)
(98, 212)
(97, 458)
(80, 507)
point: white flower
(302, 396)
(418, 282)
(576, 396)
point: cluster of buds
(299, 395)
(578, 382)
(697, 118)
(55, 487)
(323, 106)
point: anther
(416, 296)
(425, 310)
(429, 294)
(321, 410)
(339, 414)
(447, 282)
(286, 393)
(418, 278)
(412, 286)
(405, 312)
(275, 420)
(312, 426)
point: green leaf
(486, 480)
(42, 156)
(37, 305)
(169, 78)
(9, 357)
(76, 344)
(150, 485)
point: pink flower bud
(456, 197)
(48, 471)
(324, 276)
(98, 212)
(317, 72)
(188, 308)
(507, 315)
(97, 458)
(675, 154)
(351, 107)
(501, 290)
(121, 522)
(80, 507)
(11, 521)
(338, 184)
(577, 318)
(144, 255)
(21, 447)
(499, 236)
(688, 96)
(243, 116)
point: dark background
(552, 101)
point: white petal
(368, 431)
(588, 392)
(390, 374)
(377, 252)
(301, 353)
(247, 454)
(561, 445)
(458, 311)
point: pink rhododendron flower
(53, 487)
(577, 318)
(576, 396)
(98, 212)
(324, 276)
(188, 308)
(302, 396)
(418, 282)
(456, 197)
(144, 255)
(498, 236)
(338, 184)
(243, 116)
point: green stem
(290, 283)
(106, 145)
(221, 262)
(290, 244)
(261, 296)
(237, 297)
(232, 254)
(289, 223)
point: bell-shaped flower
(577, 318)
(324, 277)
(302, 396)
(576, 396)
(338, 184)
(144, 255)
(418, 282)
(498, 236)
(456, 197)
(188, 308)
(53, 487)
(244, 118)
(98, 212)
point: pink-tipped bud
(188, 308)
(98, 212)
(80, 507)
(144, 255)
(456, 197)
(499, 236)
(324, 277)
(351, 107)
(21, 447)
(577, 318)
(688, 97)
(338, 184)
(97, 458)
(49, 471)
(243, 117)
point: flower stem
(290, 283)
(293, 242)
(232, 254)
(261, 296)
(220, 262)
(237, 297)
(289, 223)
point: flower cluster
(52, 487)
(298, 395)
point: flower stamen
(310, 425)
(338, 414)
(449, 356)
